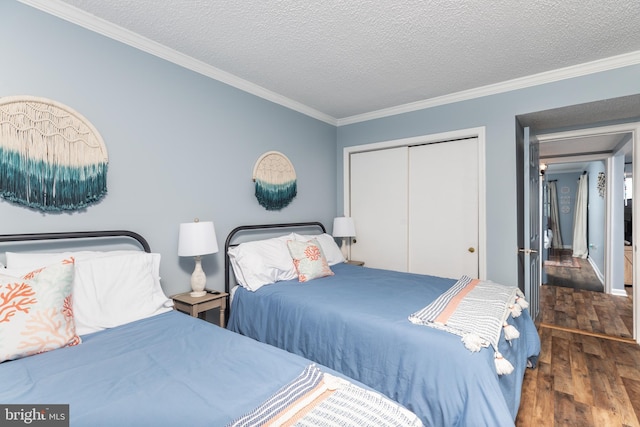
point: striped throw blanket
(318, 399)
(477, 311)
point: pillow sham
(309, 260)
(262, 262)
(89, 315)
(331, 250)
(36, 311)
(114, 290)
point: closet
(416, 207)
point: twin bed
(123, 356)
(355, 320)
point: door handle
(528, 251)
(472, 249)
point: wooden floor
(582, 380)
(581, 277)
(588, 373)
(588, 311)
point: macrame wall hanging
(51, 157)
(275, 180)
(602, 184)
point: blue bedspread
(356, 323)
(168, 370)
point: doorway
(571, 146)
(597, 289)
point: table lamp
(345, 228)
(197, 239)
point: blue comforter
(168, 370)
(356, 322)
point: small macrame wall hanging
(275, 180)
(602, 184)
(51, 157)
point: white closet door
(443, 208)
(379, 207)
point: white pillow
(262, 262)
(115, 290)
(331, 251)
(21, 261)
(88, 308)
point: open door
(529, 242)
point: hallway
(577, 273)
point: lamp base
(344, 248)
(198, 280)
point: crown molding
(619, 61)
(93, 23)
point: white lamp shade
(344, 227)
(197, 238)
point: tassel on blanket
(473, 342)
(510, 332)
(522, 302)
(515, 309)
(503, 366)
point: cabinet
(628, 265)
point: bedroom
(182, 145)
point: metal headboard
(229, 242)
(75, 235)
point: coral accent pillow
(36, 312)
(309, 260)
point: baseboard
(596, 270)
(619, 292)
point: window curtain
(556, 240)
(580, 248)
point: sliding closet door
(378, 206)
(443, 208)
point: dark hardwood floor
(588, 373)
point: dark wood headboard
(262, 227)
(75, 235)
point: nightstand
(195, 306)
(353, 262)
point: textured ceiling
(348, 58)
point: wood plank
(632, 388)
(544, 406)
(603, 417)
(561, 366)
(620, 397)
(580, 375)
(565, 410)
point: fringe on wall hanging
(51, 157)
(275, 180)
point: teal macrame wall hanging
(275, 181)
(51, 157)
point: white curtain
(556, 241)
(580, 248)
